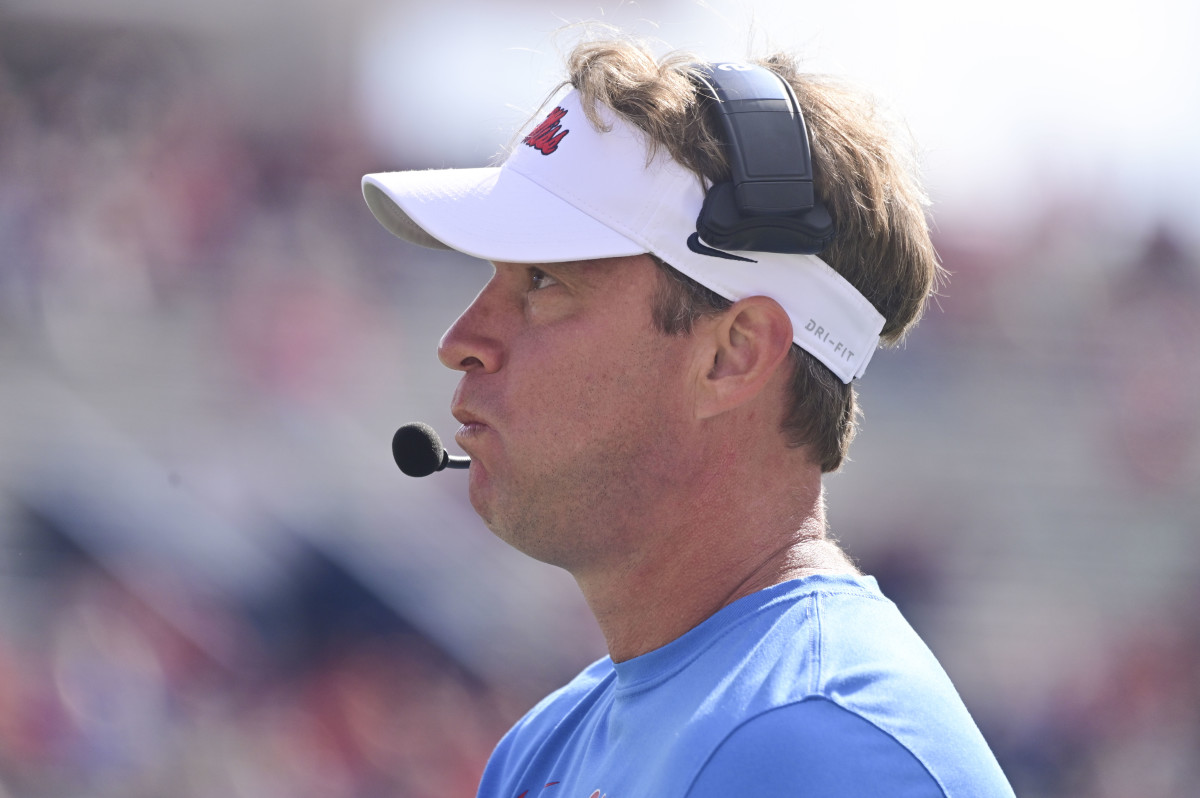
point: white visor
(571, 192)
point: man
(654, 414)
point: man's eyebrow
(556, 268)
(578, 271)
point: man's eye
(538, 279)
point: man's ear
(747, 344)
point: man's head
(630, 179)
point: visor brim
(489, 213)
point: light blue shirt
(815, 687)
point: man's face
(571, 402)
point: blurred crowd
(132, 204)
(206, 590)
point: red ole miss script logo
(545, 137)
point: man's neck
(688, 571)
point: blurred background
(213, 580)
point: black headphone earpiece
(769, 204)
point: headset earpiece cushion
(722, 225)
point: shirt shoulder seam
(817, 697)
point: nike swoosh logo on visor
(700, 248)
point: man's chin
(483, 508)
(486, 502)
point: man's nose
(473, 341)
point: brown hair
(861, 172)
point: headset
(769, 205)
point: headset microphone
(418, 451)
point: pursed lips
(472, 427)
